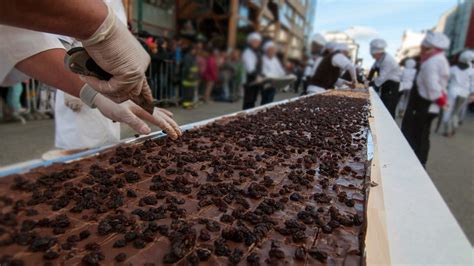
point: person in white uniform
(459, 89)
(406, 84)
(387, 81)
(428, 95)
(318, 42)
(328, 73)
(77, 126)
(271, 68)
(252, 59)
(106, 40)
(471, 99)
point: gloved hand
(131, 114)
(443, 100)
(74, 103)
(117, 51)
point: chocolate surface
(284, 186)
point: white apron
(315, 90)
(86, 129)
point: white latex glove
(134, 116)
(74, 103)
(119, 53)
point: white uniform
(459, 89)
(407, 79)
(271, 67)
(432, 79)
(388, 70)
(342, 62)
(249, 59)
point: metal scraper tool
(79, 61)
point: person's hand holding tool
(131, 114)
(117, 52)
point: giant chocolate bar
(283, 186)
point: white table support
(420, 227)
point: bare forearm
(54, 74)
(75, 18)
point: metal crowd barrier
(165, 82)
(39, 102)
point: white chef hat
(331, 46)
(378, 46)
(268, 45)
(436, 40)
(319, 39)
(466, 56)
(410, 63)
(341, 47)
(254, 36)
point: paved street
(451, 163)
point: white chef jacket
(17, 45)
(432, 79)
(271, 67)
(341, 61)
(460, 82)
(388, 70)
(408, 77)
(250, 60)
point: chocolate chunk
(131, 177)
(193, 259)
(221, 248)
(84, 234)
(93, 258)
(203, 254)
(213, 226)
(204, 235)
(120, 243)
(317, 254)
(131, 193)
(236, 256)
(50, 255)
(121, 257)
(139, 244)
(42, 243)
(300, 253)
(253, 259)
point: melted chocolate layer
(282, 186)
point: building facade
(293, 25)
(226, 22)
(411, 45)
(157, 17)
(458, 25)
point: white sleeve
(266, 67)
(431, 79)
(18, 44)
(249, 61)
(341, 61)
(279, 67)
(386, 69)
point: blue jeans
(13, 96)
